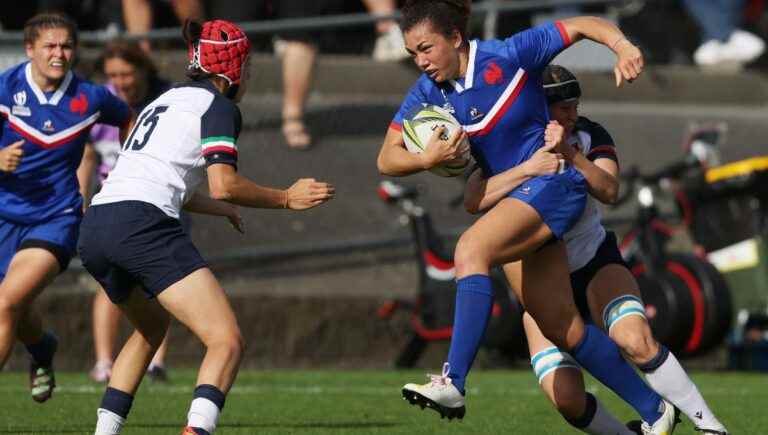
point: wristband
(618, 41)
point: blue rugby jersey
(500, 102)
(54, 126)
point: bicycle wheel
(712, 305)
(668, 304)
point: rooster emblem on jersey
(79, 105)
(493, 74)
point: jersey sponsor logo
(20, 98)
(48, 125)
(525, 190)
(493, 75)
(79, 105)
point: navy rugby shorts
(131, 244)
(607, 253)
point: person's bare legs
(106, 320)
(389, 45)
(298, 67)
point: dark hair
(560, 84)
(48, 20)
(191, 31)
(445, 16)
(130, 52)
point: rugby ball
(418, 126)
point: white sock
(108, 423)
(203, 414)
(604, 423)
(671, 381)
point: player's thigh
(199, 302)
(30, 270)
(506, 233)
(146, 315)
(547, 292)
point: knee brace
(551, 359)
(621, 307)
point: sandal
(295, 133)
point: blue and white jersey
(176, 137)
(54, 126)
(584, 239)
(500, 102)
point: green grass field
(351, 402)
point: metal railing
(490, 9)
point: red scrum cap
(221, 48)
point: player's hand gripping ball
(434, 125)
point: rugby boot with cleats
(41, 382)
(722, 431)
(194, 431)
(665, 425)
(438, 394)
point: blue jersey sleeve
(416, 97)
(114, 111)
(219, 129)
(537, 46)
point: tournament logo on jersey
(493, 75)
(79, 105)
(19, 108)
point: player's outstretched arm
(395, 160)
(482, 193)
(225, 184)
(629, 62)
(202, 204)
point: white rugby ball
(419, 125)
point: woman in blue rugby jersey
(47, 113)
(494, 90)
(605, 290)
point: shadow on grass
(307, 425)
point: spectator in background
(390, 45)
(299, 51)
(138, 15)
(722, 39)
(132, 76)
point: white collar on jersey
(470, 76)
(39, 93)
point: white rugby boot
(665, 425)
(718, 431)
(439, 394)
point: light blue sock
(600, 356)
(474, 300)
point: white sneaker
(390, 46)
(439, 394)
(665, 425)
(709, 53)
(743, 47)
(101, 371)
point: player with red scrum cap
(132, 241)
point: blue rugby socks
(474, 300)
(600, 356)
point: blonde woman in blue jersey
(605, 290)
(133, 243)
(494, 90)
